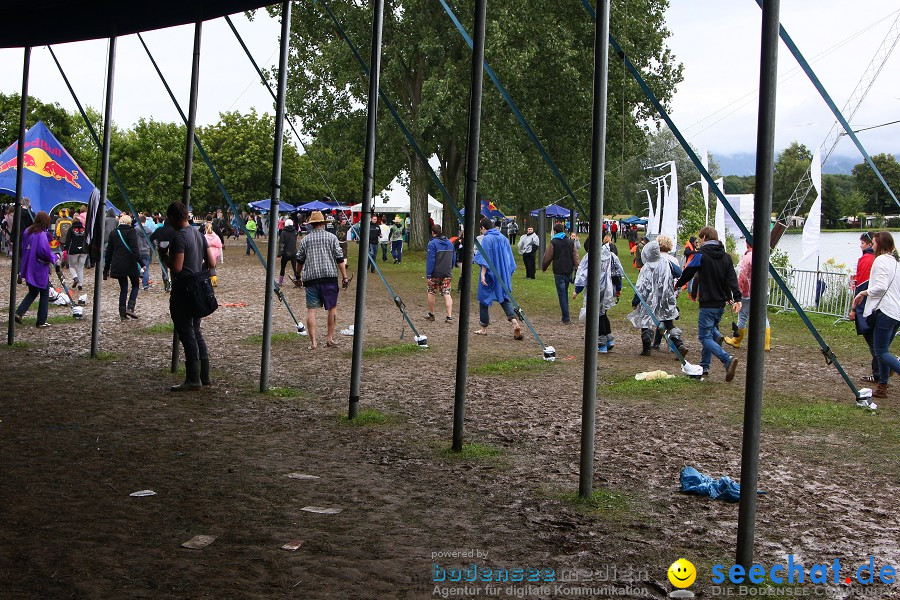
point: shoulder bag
(199, 297)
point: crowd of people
(313, 252)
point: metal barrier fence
(819, 292)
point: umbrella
(314, 205)
(264, 205)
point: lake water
(843, 246)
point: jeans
(384, 251)
(562, 290)
(43, 306)
(123, 290)
(885, 330)
(249, 246)
(870, 342)
(145, 262)
(744, 315)
(397, 250)
(707, 332)
(485, 318)
(188, 329)
(528, 259)
(373, 254)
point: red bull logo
(38, 161)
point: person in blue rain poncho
(493, 286)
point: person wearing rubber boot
(187, 254)
(718, 286)
(655, 286)
(744, 315)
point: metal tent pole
(276, 195)
(359, 318)
(762, 208)
(471, 203)
(101, 210)
(16, 233)
(189, 150)
(592, 324)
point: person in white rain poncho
(610, 288)
(655, 285)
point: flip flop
(331, 344)
(517, 333)
(481, 332)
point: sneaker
(603, 349)
(732, 369)
(449, 319)
(868, 379)
(43, 325)
(145, 288)
(429, 316)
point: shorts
(440, 285)
(319, 295)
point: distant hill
(745, 164)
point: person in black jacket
(287, 250)
(561, 253)
(122, 261)
(718, 286)
(76, 249)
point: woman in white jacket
(884, 303)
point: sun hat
(316, 217)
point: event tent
(554, 211)
(264, 205)
(487, 210)
(395, 199)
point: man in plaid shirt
(320, 257)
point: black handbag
(197, 294)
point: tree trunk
(451, 167)
(419, 224)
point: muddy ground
(78, 435)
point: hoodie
(718, 281)
(440, 258)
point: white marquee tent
(395, 199)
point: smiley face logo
(682, 573)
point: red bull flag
(51, 176)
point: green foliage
(692, 215)
(159, 328)
(284, 392)
(780, 259)
(389, 351)
(790, 166)
(877, 198)
(852, 204)
(737, 184)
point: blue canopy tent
(51, 177)
(337, 206)
(264, 205)
(315, 205)
(554, 211)
(634, 221)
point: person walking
(561, 253)
(215, 245)
(610, 284)
(374, 234)
(439, 261)
(143, 242)
(384, 237)
(341, 230)
(250, 226)
(34, 268)
(528, 248)
(496, 279)
(863, 270)
(513, 231)
(718, 286)
(883, 306)
(395, 235)
(744, 268)
(122, 261)
(654, 284)
(287, 250)
(614, 231)
(188, 255)
(76, 249)
(320, 258)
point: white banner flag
(720, 211)
(669, 224)
(704, 186)
(812, 229)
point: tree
(790, 166)
(541, 51)
(834, 186)
(877, 198)
(738, 184)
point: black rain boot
(122, 315)
(204, 371)
(129, 312)
(646, 339)
(681, 347)
(191, 378)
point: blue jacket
(440, 258)
(497, 248)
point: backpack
(63, 224)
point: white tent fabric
(704, 185)
(395, 199)
(743, 206)
(812, 229)
(720, 210)
(653, 221)
(669, 224)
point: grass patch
(474, 451)
(791, 413)
(515, 366)
(17, 346)
(163, 328)
(284, 392)
(368, 417)
(54, 320)
(603, 502)
(277, 338)
(111, 356)
(395, 350)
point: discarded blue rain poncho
(695, 482)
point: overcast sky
(715, 106)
